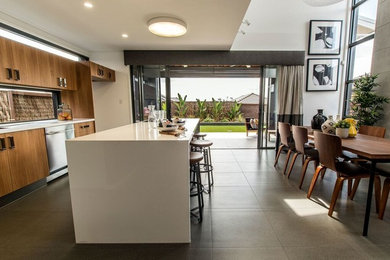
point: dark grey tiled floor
(254, 212)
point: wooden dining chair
(376, 131)
(308, 153)
(383, 169)
(286, 142)
(330, 151)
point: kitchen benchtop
(139, 132)
(16, 127)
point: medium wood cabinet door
(81, 129)
(5, 176)
(27, 157)
(6, 73)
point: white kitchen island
(131, 185)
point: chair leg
(303, 159)
(211, 166)
(292, 164)
(377, 192)
(349, 187)
(314, 180)
(278, 154)
(303, 173)
(323, 174)
(337, 187)
(354, 189)
(287, 160)
(385, 196)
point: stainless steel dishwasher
(56, 149)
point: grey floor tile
(240, 229)
(227, 167)
(231, 198)
(230, 179)
(249, 253)
(340, 252)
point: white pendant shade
(167, 27)
(321, 2)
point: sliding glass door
(146, 84)
(267, 109)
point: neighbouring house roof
(251, 98)
(174, 99)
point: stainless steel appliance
(56, 150)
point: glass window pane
(349, 97)
(361, 58)
(366, 19)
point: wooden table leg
(369, 198)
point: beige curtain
(290, 86)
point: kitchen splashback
(25, 105)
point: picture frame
(322, 74)
(325, 37)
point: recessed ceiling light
(125, 35)
(88, 4)
(248, 66)
(185, 66)
(167, 26)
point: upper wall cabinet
(101, 73)
(24, 65)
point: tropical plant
(181, 106)
(342, 124)
(208, 120)
(217, 111)
(366, 105)
(202, 109)
(225, 120)
(164, 106)
(234, 111)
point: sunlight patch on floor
(305, 207)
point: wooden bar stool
(203, 146)
(199, 136)
(196, 182)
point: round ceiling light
(321, 2)
(167, 26)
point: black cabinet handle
(17, 74)
(2, 143)
(9, 73)
(11, 142)
(84, 126)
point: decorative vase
(352, 129)
(328, 126)
(342, 132)
(318, 119)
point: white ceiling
(284, 24)
(212, 24)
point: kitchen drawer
(81, 129)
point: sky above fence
(208, 88)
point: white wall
(284, 25)
(112, 99)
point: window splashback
(25, 105)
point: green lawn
(222, 128)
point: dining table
(374, 149)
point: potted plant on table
(342, 129)
(366, 105)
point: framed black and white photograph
(325, 37)
(322, 74)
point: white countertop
(16, 127)
(139, 132)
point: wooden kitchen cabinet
(5, 174)
(101, 73)
(27, 157)
(24, 65)
(81, 129)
